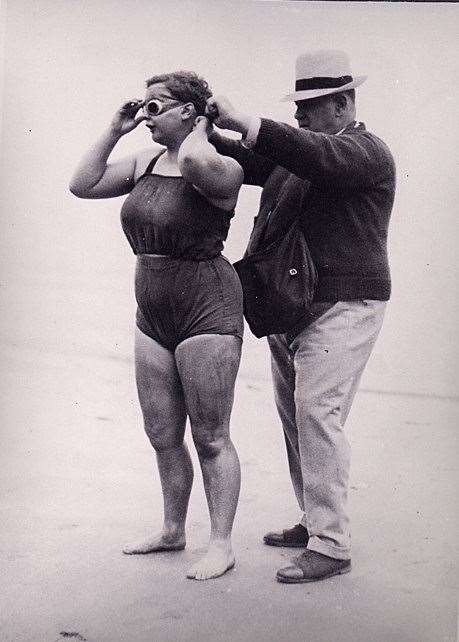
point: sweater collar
(356, 125)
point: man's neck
(342, 127)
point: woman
(189, 316)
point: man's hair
(186, 86)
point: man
(341, 179)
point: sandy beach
(79, 480)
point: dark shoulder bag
(278, 283)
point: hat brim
(306, 94)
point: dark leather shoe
(311, 566)
(296, 537)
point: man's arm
(348, 161)
(345, 161)
(256, 168)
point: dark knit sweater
(342, 186)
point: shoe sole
(282, 545)
(287, 580)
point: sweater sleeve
(256, 168)
(345, 161)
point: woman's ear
(188, 111)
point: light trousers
(315, 376)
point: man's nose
(302, 118)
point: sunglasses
(155, 106)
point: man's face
(318, 115)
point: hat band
(321, 82)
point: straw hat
(323, 72)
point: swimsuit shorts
(181, 298)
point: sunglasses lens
(153, 107)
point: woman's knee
(162, 440)
(209, 443)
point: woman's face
(164, 114)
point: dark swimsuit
(192, 290)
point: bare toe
(214, 564)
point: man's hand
(220, 110)
(125, 119)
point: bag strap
(257, 242)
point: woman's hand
(125, 119)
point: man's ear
(340, 101)
(188, 111)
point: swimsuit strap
(152, 163)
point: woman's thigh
(208, 366)
(160, 392)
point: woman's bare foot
(156, 544)
(218, 559)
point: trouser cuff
(318, 545)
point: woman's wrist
(113, 133)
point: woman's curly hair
(186, 86)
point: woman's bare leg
(161, 399)
(208, 365)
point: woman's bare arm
(94, 177)
(217, 177)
